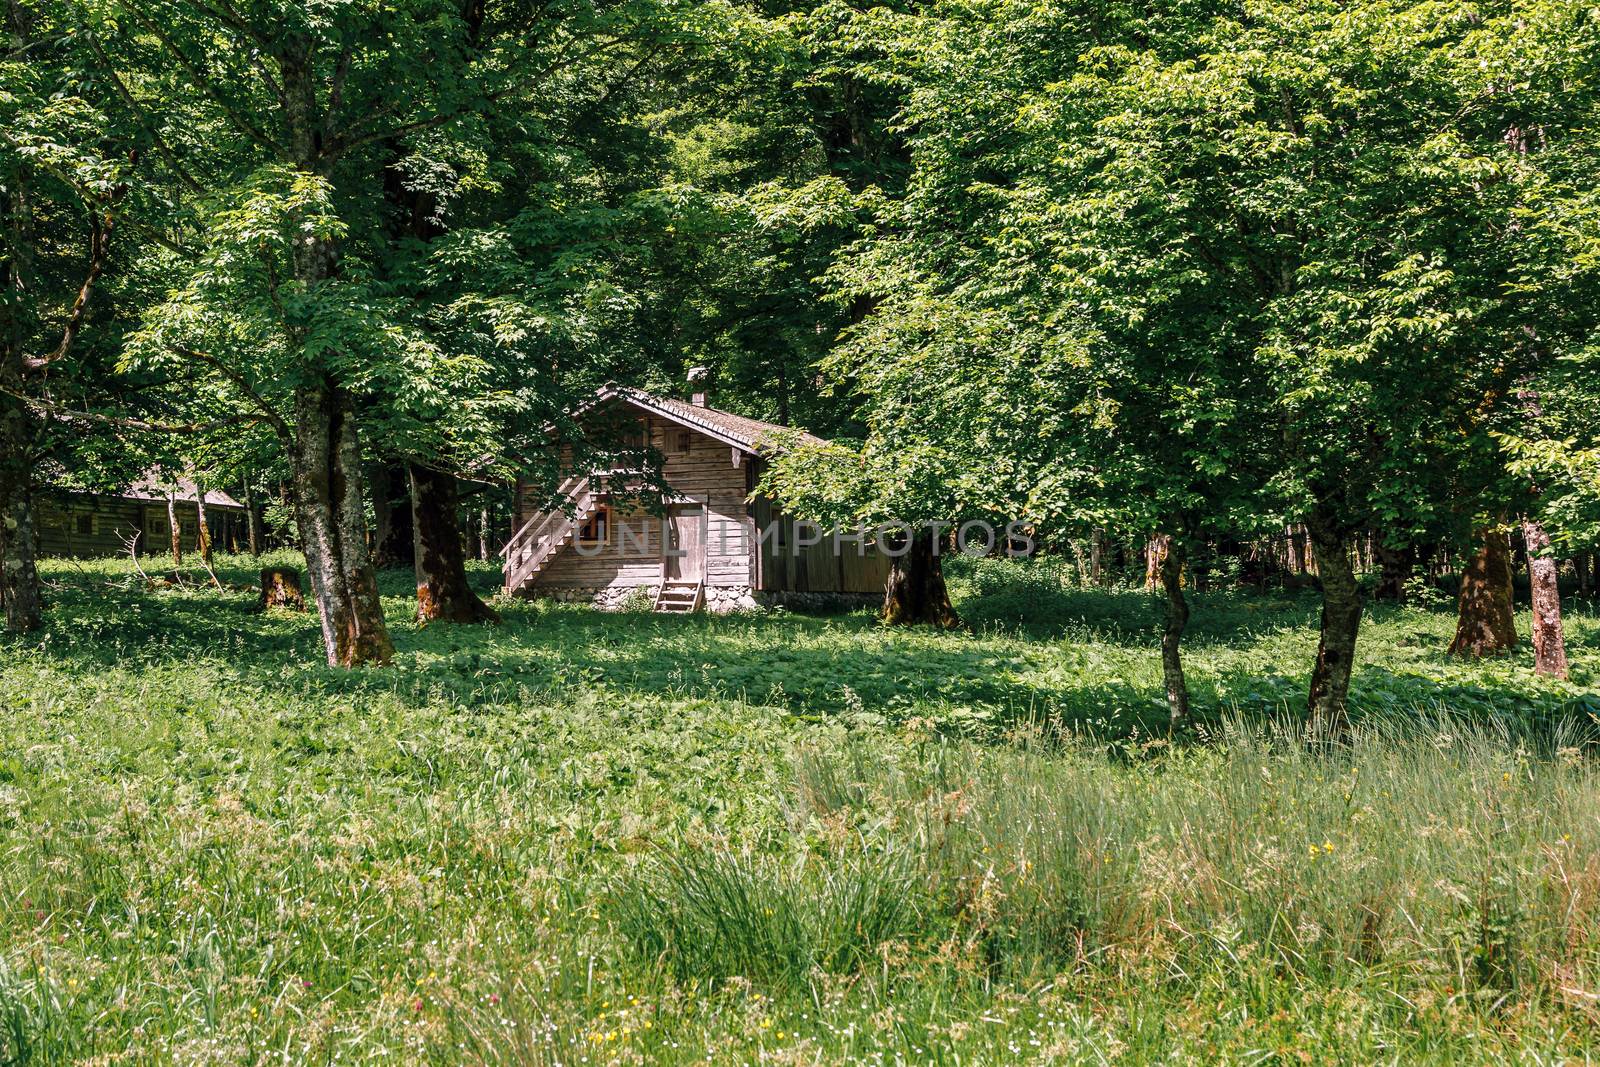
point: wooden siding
(84, 526)
(700, 470)
(787, 567)
(703, 470)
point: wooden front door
(685, 558)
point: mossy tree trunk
(202, 531)
(21, 592)
(252, 519)
(332, 524)
(20, 589)
(330, 510)
(1485, 625)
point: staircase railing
(532, 545)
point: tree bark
(915, 591)
(1485, 625)
(174, 530)
(1172, 560)
(330, 510)
(21, 592)
(202, 532)
(1328, 703)
(1155, 551)
(1549, 644)
(483, 535)
(252, 520)
(330, 515)
(443, 592)
(20, 589)
(1395, 567)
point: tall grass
(1437, 857)
(712, 915)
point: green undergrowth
(590, 838)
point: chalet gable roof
(149, 487)
(746, 434)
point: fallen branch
(132, 541)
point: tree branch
(245, 125)
(142, 117)
(271, 417)
(98, 242)
(56, 411)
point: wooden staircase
(680, 597)
(532, 548)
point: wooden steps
(546, 534)
(679, 597)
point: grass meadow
(581, 838)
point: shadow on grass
(1086, 657)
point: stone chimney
(700, 384)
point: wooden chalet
(83, 525)
(719, 545)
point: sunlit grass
(586, 838)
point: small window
(84, 525)
(681, 438)
(597, 529)
(155, 525)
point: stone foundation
(719, 599)
(606, 598)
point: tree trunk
(1395, 567)
(332, 523)
(1549, 645)
(252, 518)
(915, 591)
(1172, 560)
(280, 588)
(393, 540)
(483, 535)
(202, 533)
(1580, 569)
(1485, 625)
(21, 592)
(1155, 551)
(1329, 699)
(443, 592)
(174, 530)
